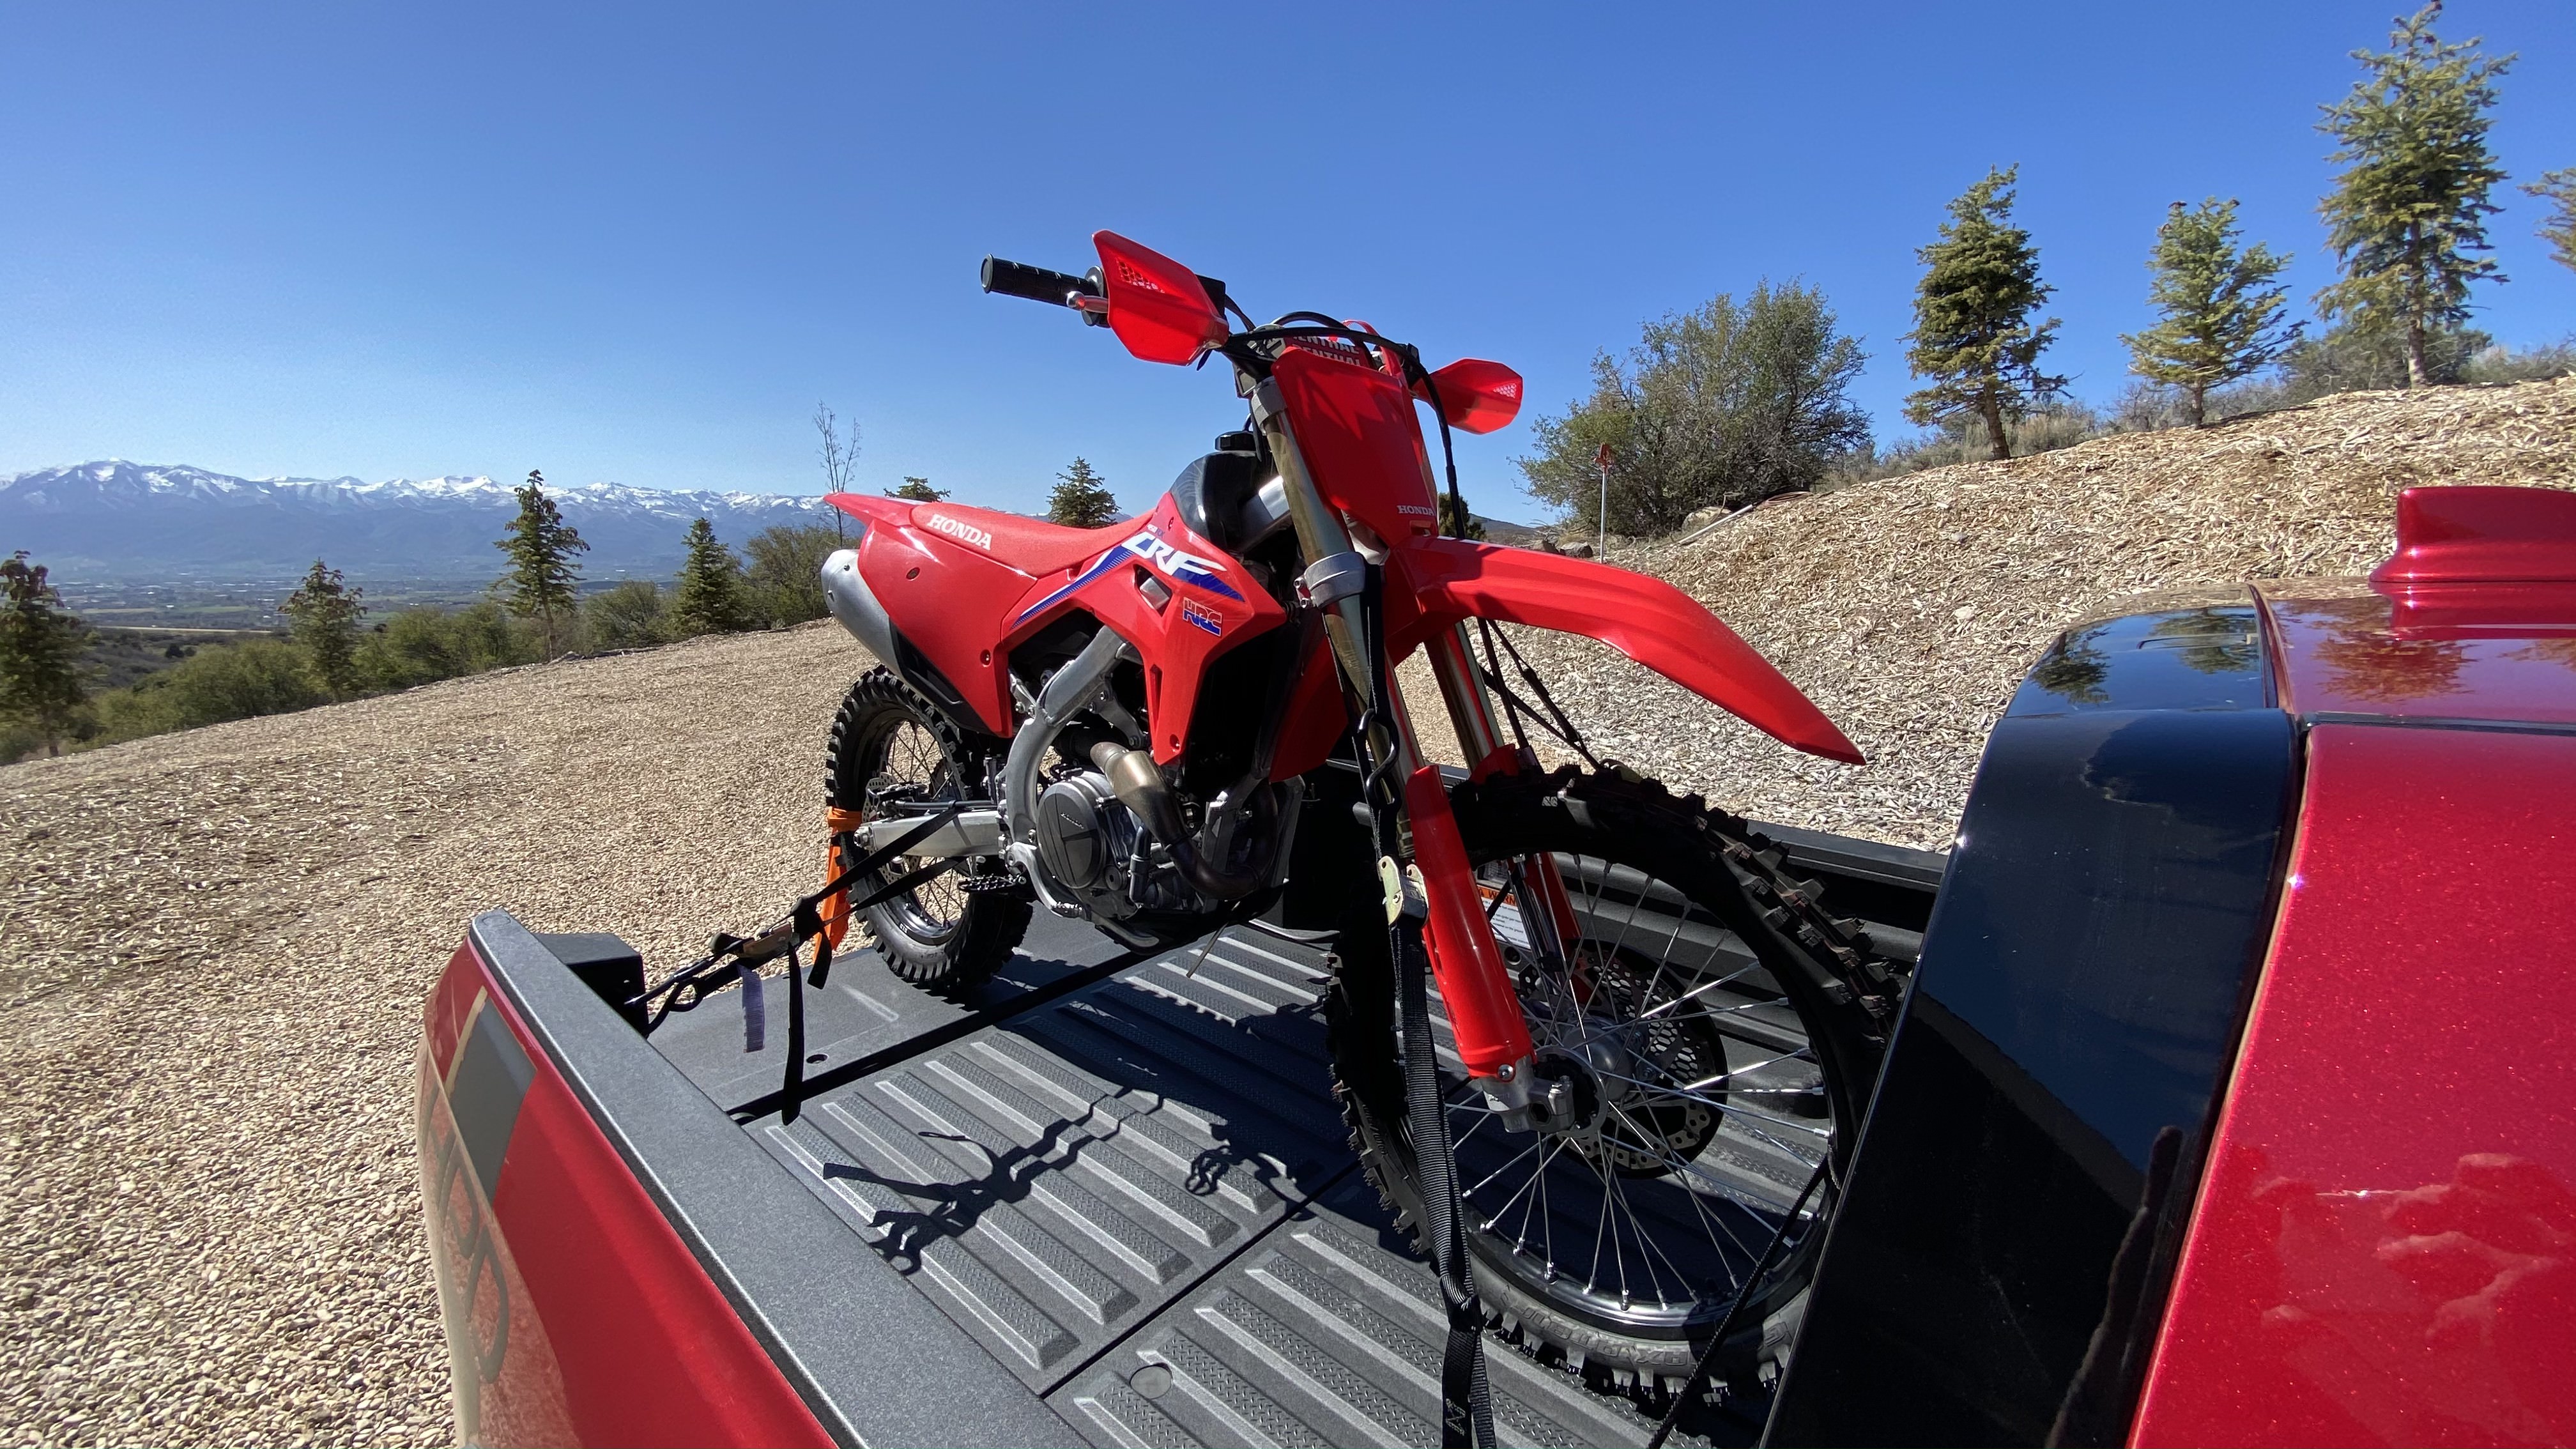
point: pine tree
(1973, 336)
(2413, 204)
(918, 490)
(1080, 499)
(1452, 525)
(2559, 189)
(542, 572)
(2222, 310)
(710, 600)
(323, 613)
(40, 648)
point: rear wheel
(892, 754)
(1711, 1068)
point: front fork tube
(1467, 962)
(1548, 911)
(1475, 986)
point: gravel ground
(213, 945)
(212, 957)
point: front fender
(1644, 618)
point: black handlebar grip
(1035, 283)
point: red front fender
(1644, 618)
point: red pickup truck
(2233, 1100)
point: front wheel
(1712, 1070)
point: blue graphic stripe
(1207, 581)
(1093, 572)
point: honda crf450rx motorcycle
(1649, 1035)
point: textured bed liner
(1124, 1177)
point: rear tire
(891, 748)
(1792, 1060)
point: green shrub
(234, 681)
(422, 645)
(2539, 364)
(262, 676)
(17, 742)
(783, 571)
(633, 615)
(1963, 439)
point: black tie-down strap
(1466, 1407)
(740, 957)
(1466, 1410)
(1753, 1282)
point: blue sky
(640, 242)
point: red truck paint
(2384, 1249)
(2344, 655)
(2473, 617)
(657, 1355)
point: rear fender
(868, 508)
(1646, 619)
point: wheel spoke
(1800, 1055)
(1715, 1104)
(1499, 1171)
(1700, 990)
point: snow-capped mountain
(120, 520)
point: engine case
(1097, 851)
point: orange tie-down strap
(835, 912)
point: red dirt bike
(1648, 1035)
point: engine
(1095, 847)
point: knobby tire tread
(992, 922)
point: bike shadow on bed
(1204, 1076)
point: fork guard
(1449, 580)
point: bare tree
(840, 458)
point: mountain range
(119, 521)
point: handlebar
(1037, 284)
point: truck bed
(1107, 1199)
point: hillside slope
(1909, 607)
(214, 945)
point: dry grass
(214, 945)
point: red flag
(1602, 458)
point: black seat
(1211, 492)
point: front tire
(892, 752)
(1712, 1086)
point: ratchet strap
(1466, 1408)
(740, 957)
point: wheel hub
(1597, 1077)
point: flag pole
(1602, 460)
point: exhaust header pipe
(1139, 785)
